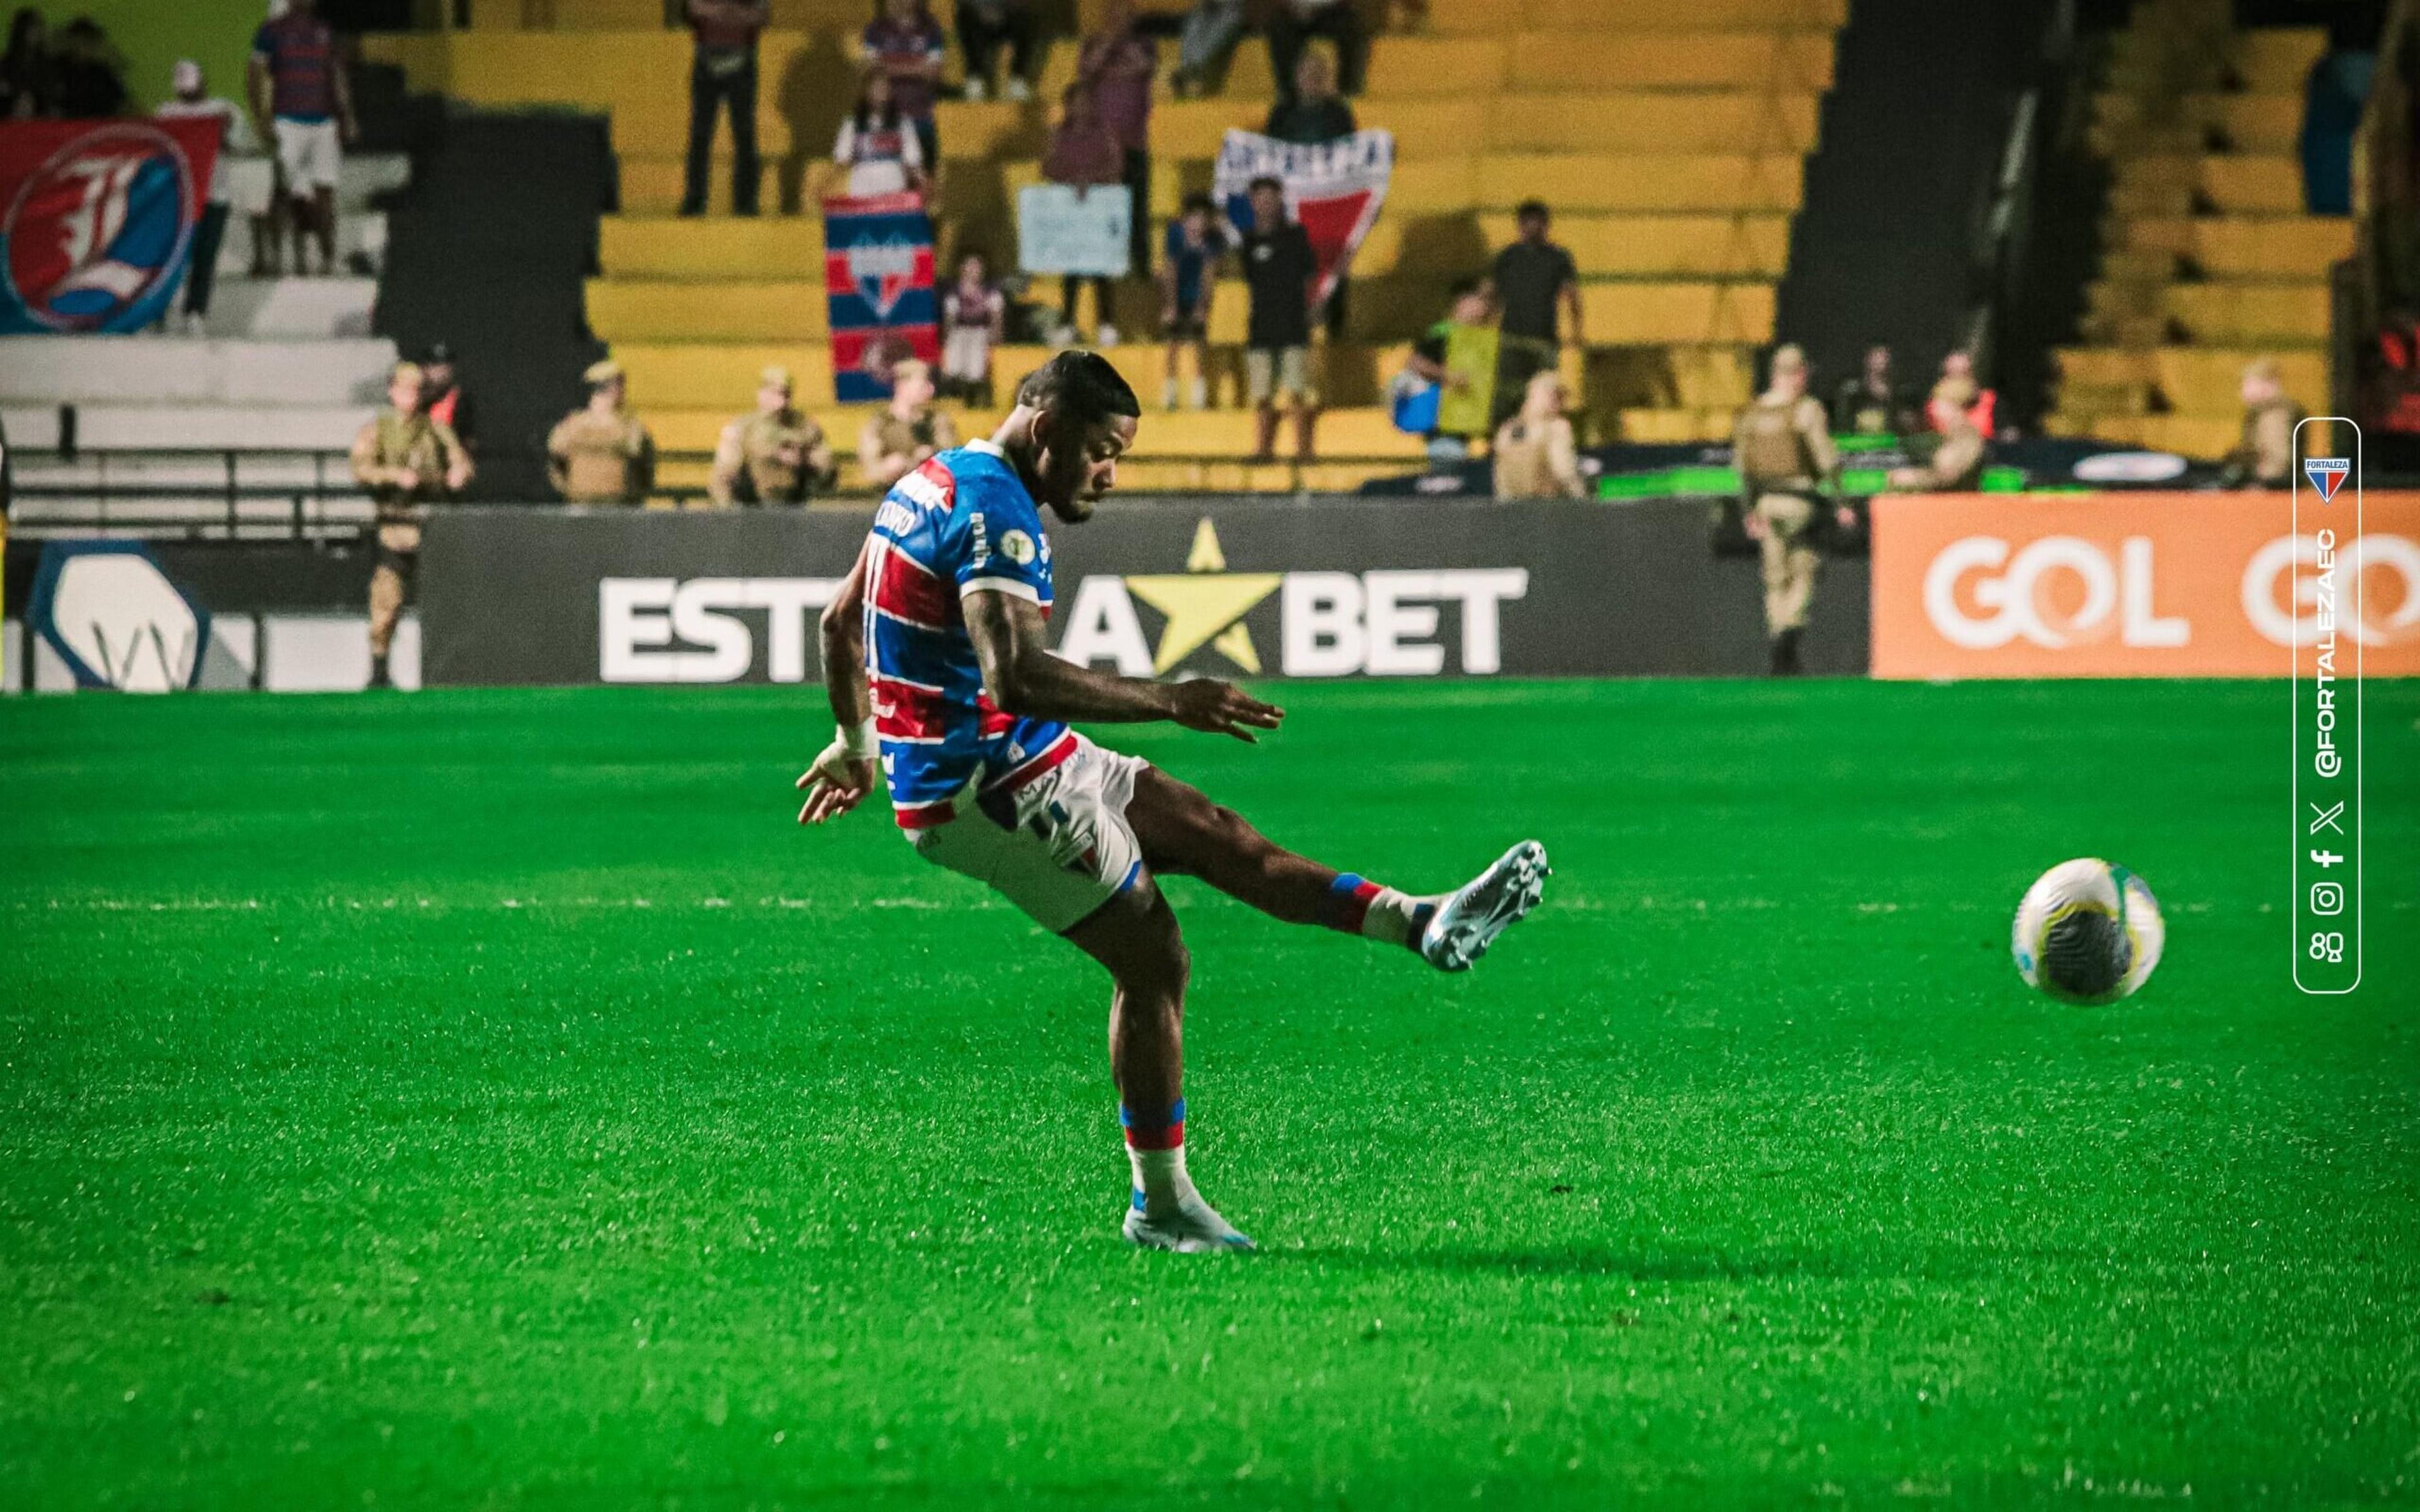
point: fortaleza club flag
(1334, 188)
(99, 220)
(878, 284)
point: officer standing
(1785, 457)
(600, 454)
(773, 456)
(404, 459)
(2264, 452)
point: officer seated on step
(775, 456)
(600, 454)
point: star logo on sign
(1205, 605)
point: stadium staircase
(1668, 135)
(2211, 259)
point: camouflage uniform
(777, 458)
(600, 459)
(1784, 454)
(390, 445)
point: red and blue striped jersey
(962, 522)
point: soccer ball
(2087, 932)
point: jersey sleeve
(1000, 546)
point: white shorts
(1069, 849)
(308, 154)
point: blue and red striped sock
(1359, 906)
(1156, 1150)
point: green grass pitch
(493, 1100)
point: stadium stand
(287, 371)
(1674, 179)
(2209, 258)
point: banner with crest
(1335, 189)
(98, 221)
(878, 282)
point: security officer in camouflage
(405, 460)
(600, 454)
(2264, 452)
(1783, 451)
(773, 456)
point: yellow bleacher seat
(2267, 246)
(2191, 381)
(756, 248)
(1461, 17)
(663, 309)
(1783, 62)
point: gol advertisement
(2138, 584)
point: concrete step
(134, 371)
(103, 426)
(258, 309)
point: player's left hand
(1217, 708)
(836, 783)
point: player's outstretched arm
(843, 774)
(1023, 677)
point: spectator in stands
(878, 144)
(600, 454)
(449, 405)
(1460, 354)
(1084, 153)
(1204, 45)
(1872, 403)
(1196, 240)
(772, 456)
(1535, 282)
(1279, 267)
(983, 27)
(905, 43)
(974, 319)
(1956, 464)
(26, 84)
(1784, 454)
(2264, 455)
(905, 433)
(404, 459)
(88, 73)
(191, 100)
(304, 106)
(1958, 374)
(1535, 455)
(1293, 22)
(723, 75)
(1118, 63)
(1313, 112)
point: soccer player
(935, 662)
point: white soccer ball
(2087, 932)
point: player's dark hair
(1461, 287)
(1270, 181)
(1198, 201)
(1081, 385)
(1531, 210)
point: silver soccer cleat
(1468, 923)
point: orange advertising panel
(2138, 584)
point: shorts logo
(99, 228)
(2327, 474)
(1017, 547)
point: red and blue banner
(97, 220)
(878, 282)
(1335, 189)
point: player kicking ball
(935, 662)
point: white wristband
(861, 744)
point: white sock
(1387, 915)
